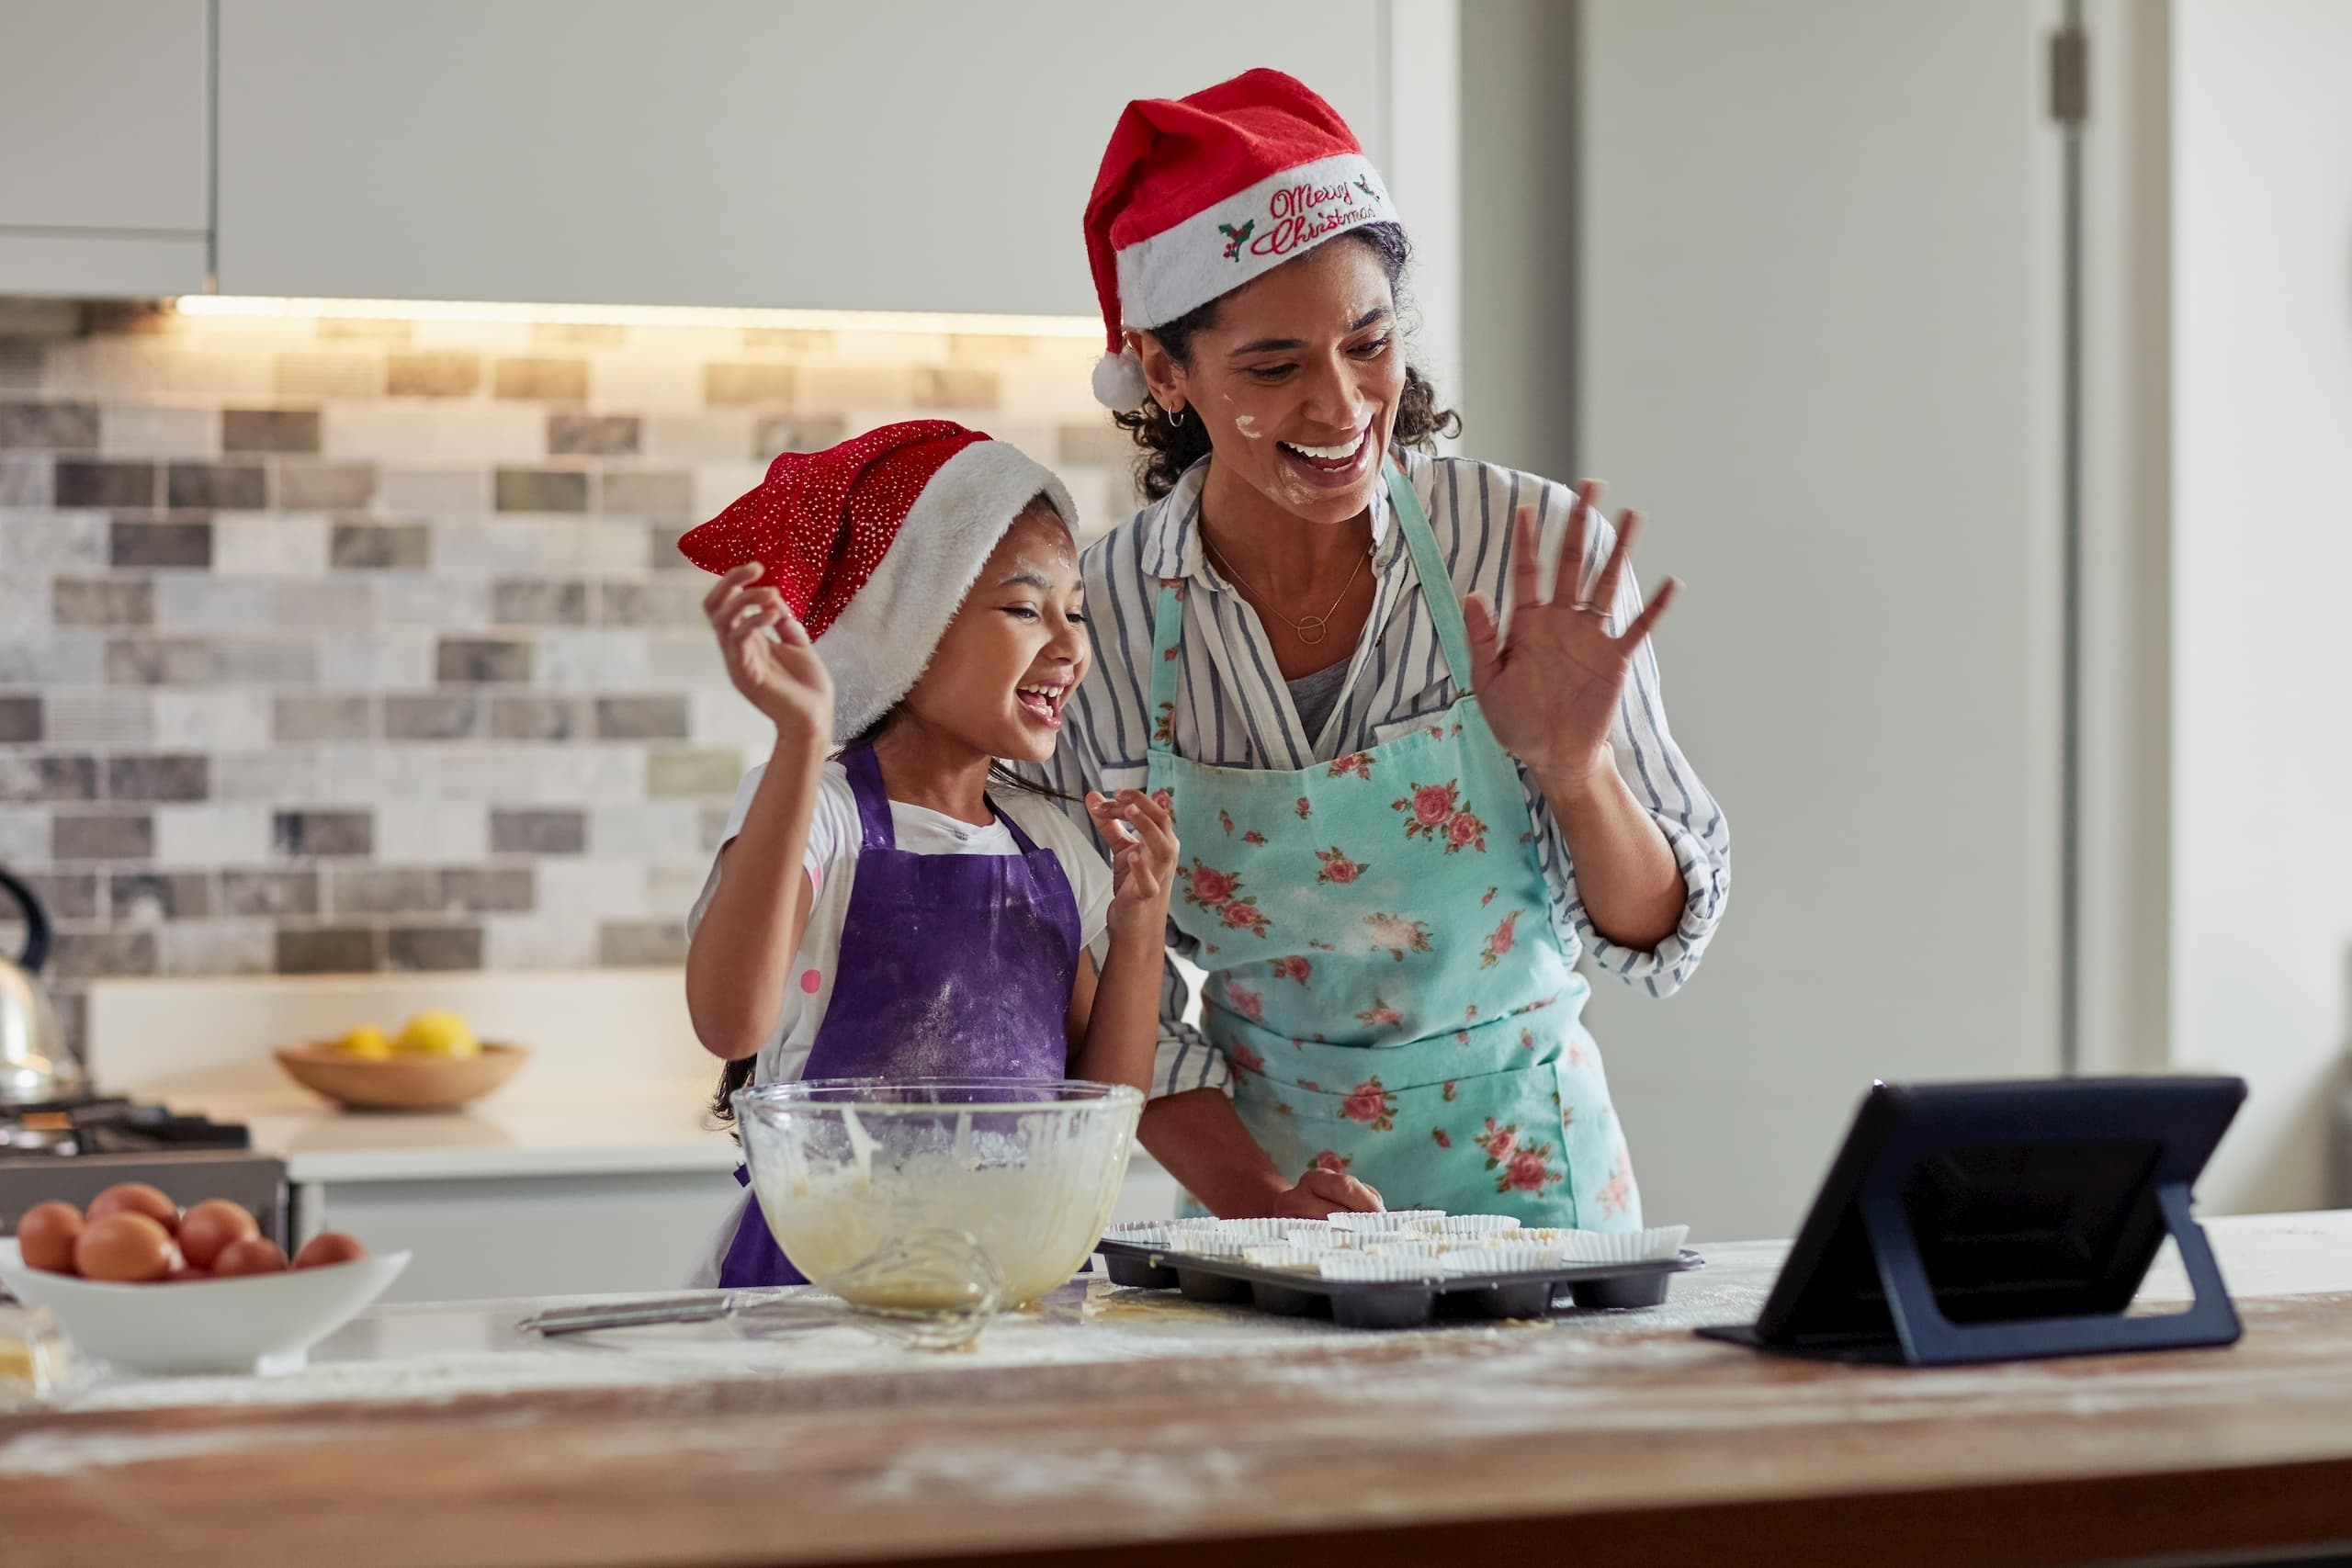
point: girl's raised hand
(1142, 836)
(769, 655)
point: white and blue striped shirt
(1234, 710)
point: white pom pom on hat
(1198, 195)
(1118, 381)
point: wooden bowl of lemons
(434, 1064)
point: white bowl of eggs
(150, 1289)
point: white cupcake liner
(1254, 1230)
(1403, 1246)
(1209, 1243)
(1363, 1266)
(1150, 1232)
(1624, 1247)
(1318, 1238)
(1281, 1254)
(1524, 1257)
(1476, 1224)
(1388, 1220)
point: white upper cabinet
(103, 123)
(891, 154)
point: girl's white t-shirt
(834, 835)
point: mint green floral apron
(1382, 973)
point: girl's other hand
(770, 658)
(1142, 836)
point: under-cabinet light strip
(267, 306)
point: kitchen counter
(525, 1132)
(1162, 1428)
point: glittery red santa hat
(874, 544)
(1198, 195)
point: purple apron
(951, 967)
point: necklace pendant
(1310, 630)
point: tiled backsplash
(348, 646)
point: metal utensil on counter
(929, 1290)
(35, 1064)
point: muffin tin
(1392, 1304)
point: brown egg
(255, 1254)
(328, 1249)
(123, 1248)
(46, 1235)
(211, 1225)
(183, 1275)
(137, 1198)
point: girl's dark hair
(1167, 449)
(735, 1074)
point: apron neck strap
(1437, 583)
(865, 770)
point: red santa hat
(874, 544)
(1198, 195)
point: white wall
(2262, 542)
(1818, 310)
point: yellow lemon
(365, 1041)
(439, 1034)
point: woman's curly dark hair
(1167, 449)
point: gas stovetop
(108, 1126)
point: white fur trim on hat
(1246, 235)
(1118, 381)
(884, 638)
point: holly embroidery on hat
(1236, 238)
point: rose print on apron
(1385, 981)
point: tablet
(1989, 1220)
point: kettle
(35, 1064)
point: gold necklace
(1314, 629)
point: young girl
(915, 594)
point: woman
(1416, 771)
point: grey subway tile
(324, 487)
(628, 944)
(159, 778)
(433, 374)
(66, 894)
(223, 487)
(162, 547)
(102, 602)
(322, 718)
(98, 955)
(21, 721)
(43, 779)
(482, 661)
(270, 429)
(433, 715)
(146, 897)
(381, 547)
(650, 492)
(329, 951)
(538, 602)
(705, 771)
(796, 432)
(489, 890)
(109, 485)
(732, 385)
(676, 602)
(642, 719)
(269, 893)
(942, 387)
(428, 948)
(86, 836)
(537, 831)
(592, 434)
(379, 890)
(61, 427)
(539, 718)
(542, 489)
(324, 834)
(541, 380)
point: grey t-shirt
(1316, 695)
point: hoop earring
(1175, 417)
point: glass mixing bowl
(845, 1168)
